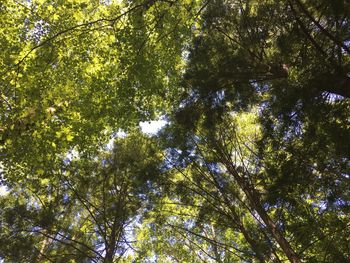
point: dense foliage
(252, 166)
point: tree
(237, 63)
(90, 211)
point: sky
(3, 190)
(152, 127)
(148, 127)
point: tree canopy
(251, 166)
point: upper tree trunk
(254, 200)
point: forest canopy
(252, 164)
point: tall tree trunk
(254, 201)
